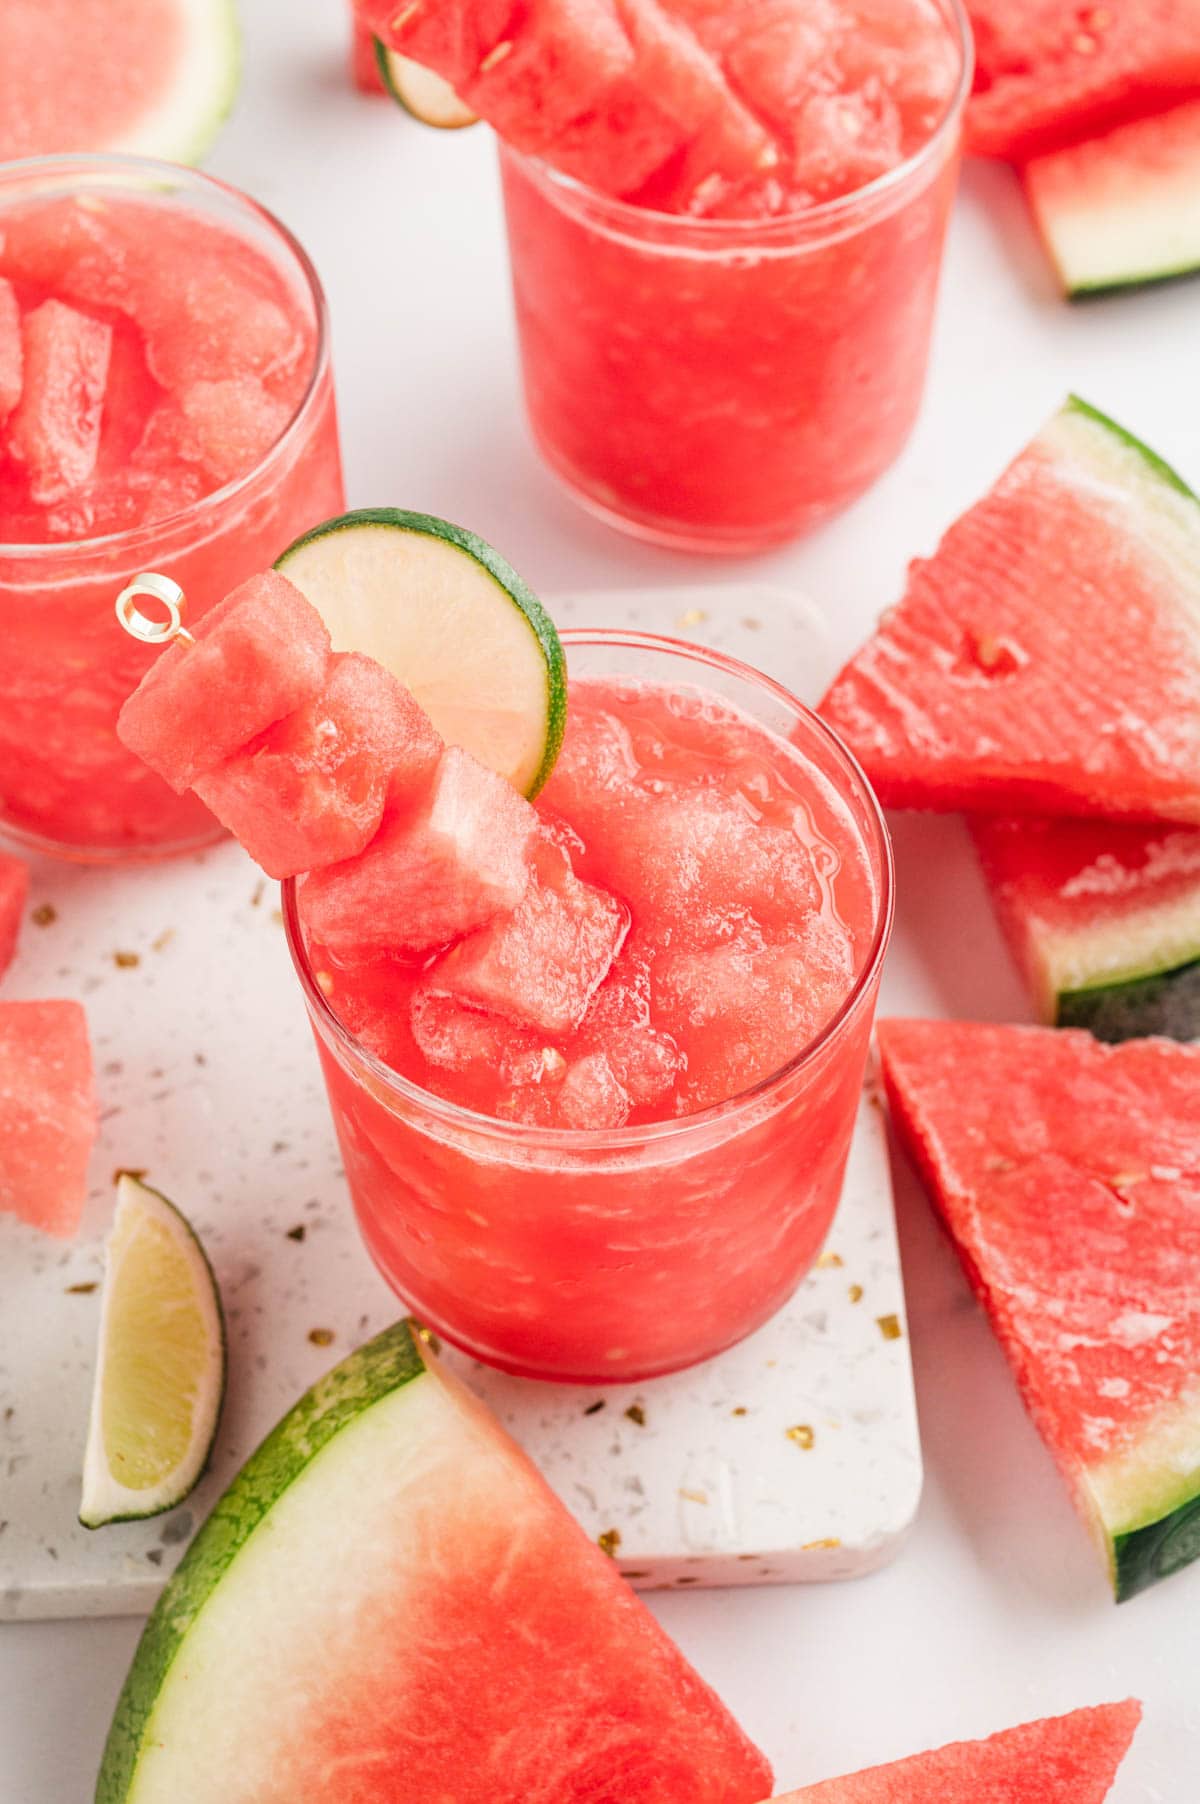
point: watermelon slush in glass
(724, 383)
(756, 869)
(195, 330)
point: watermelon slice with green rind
(1070, 1759)
(1047, 658)
(389, 1606)
(1121, 209)
(1048, 74)
(1068, 1174)
(1103, 919)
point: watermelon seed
(83, 1290)
(802, 1435)
(637, 1414)
(739, 1411)
(609, 1541)
(856, 1293)
(889, 1327)
(321, 1337)
(296, 1233)
(593, 1408)
(126, 961)
(44, 915)
(495, 55)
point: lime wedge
(444, 612)
(422, 92)
(160, 1369)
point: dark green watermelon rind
(1154, 1551)
(1166, 1003)
(501, 572)
(1099, 291)
(368, 1377)
(1157, 465)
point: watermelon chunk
(1068, 1173)
(233, 422)
(435, 871)
(1120, 208)
(311, 790)
(1048, 74)
(48, 1116)
(259, 654)
(390, 1606)
(1070, 1759)
(541, 965)
(14, 888)
(55, 428)
(364, 63)
(591, 1097)
(1103, 919)
(12, 359)
(1047, 658)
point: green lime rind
(1166, 1003)
(1154, 1551)
(1157, 465)
(502, 573)
(386, 62)
(374, 1372)
(185, 1491)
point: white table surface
(996, 1611)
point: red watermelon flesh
(1048, 74)
(1070, 1759)
(14, 888)
(1047, 658)
(364, 63)
(258, 655)
(1103, 918)
(55, 427)
(436, 870)
(11, 356)
(1068, 1174)
(311, 790)
(48, 1116)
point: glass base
(29, 841)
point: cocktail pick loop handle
(169, 595)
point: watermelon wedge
(389, 1606)
(1068, 1174)
(152, 78)
(1103, 919)
(1122, 208)
(1070, 1759)
(1047, 74)
(14, 888)
(48, 1115)
(1047, 658)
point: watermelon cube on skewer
(1070, 1759)
(14, 888)
(1103, 919)
(311, 790)
(1068, 1175)
(48, 1116)
(258, 655)
(54, 430)
(436, 870)
(1046, 659)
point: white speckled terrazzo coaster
(793, 1456)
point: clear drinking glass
(615, 1255)
(724, 384)
(67, 786)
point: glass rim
(623, 1139)
(178, 175)
(829, 215)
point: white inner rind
(439, 621)
(1157, 1475)
(1115, 949)
(181, 122)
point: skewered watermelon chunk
(1103, 919)
(1068, 1174)
(12, 359)
(55, 427)
(434, 871)
(1070, 1759)
(311, 790)
(14, 887)
(48, 1113)
(1047, 658)
(259, 654)
(1048, 74)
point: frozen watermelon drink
(591, 963)
(165, 402)
(725, 222)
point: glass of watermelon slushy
(724, 376)
(166, 402)
(750, 864)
